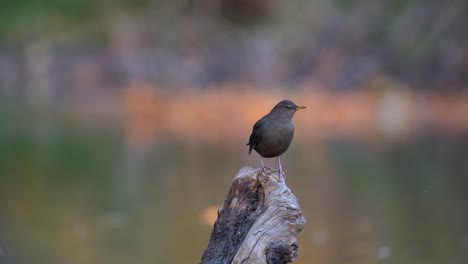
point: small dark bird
(273, 133)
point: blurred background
(123, 123)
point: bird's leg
(280, 168)
(263, 167)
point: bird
(273, 133)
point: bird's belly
(275, 144)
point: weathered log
(258, 223)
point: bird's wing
(255, 137)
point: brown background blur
(122, 124)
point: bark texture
(258, 223)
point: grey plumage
(273, 133)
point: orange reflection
(209, 215)
(226, 114)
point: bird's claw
(280, 174)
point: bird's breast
(276, 138)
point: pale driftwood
(258, 222)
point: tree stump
(258, 222)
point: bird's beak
(300, 107)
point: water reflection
(82, 194)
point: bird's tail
(250, 147)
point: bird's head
(286, 108)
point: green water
(77, 193)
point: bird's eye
(289, 107)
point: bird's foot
(280, 174)
(264, 171)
